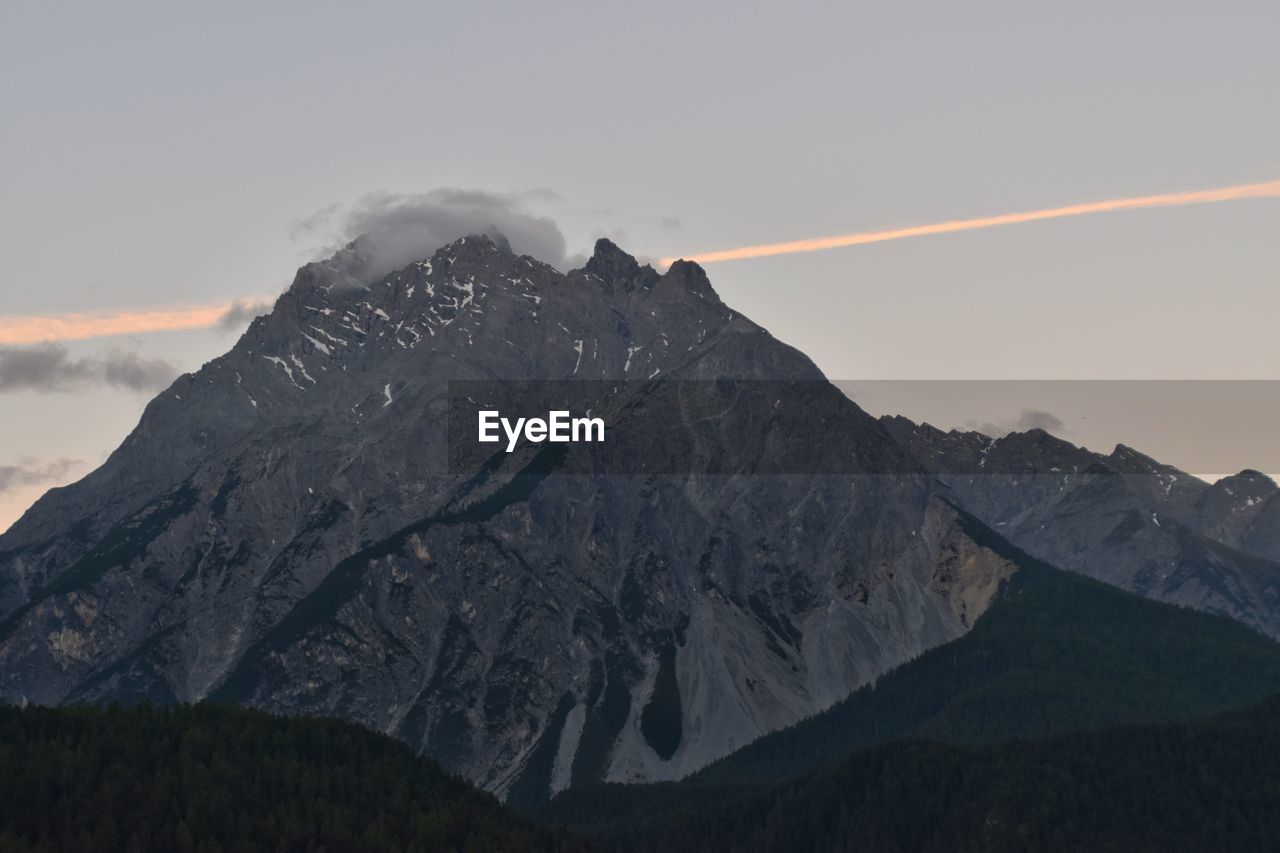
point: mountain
(190, 778)
(1209, 785)
(1242, 511)
(1055, 652)
(1122, 518)
(289, 528)
(1042, 686)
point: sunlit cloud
(1266, 189)
(18, 329)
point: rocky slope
(286, 528)
(1123, 518)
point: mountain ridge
(1123, 518)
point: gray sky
(156, 155)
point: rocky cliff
(1122, 517)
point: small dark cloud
(1037, 419)
(31, 472)
(50, 367)
(132, 371)
(1029, 419)
(240, 313)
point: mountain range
(286, 528)
(1123, 518)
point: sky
(161, 156)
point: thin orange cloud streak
(33, 329)
(1266, 189)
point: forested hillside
(1164, 787)
(209, 779)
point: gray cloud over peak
(383, 232)
(1027, 420)
(50, 367)
(31, 472)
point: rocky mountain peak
(472, 248)
(1126, 460)
(1248, 484)
(693, 278)
(500, 241)
(609, 262)
(612, 267)
(1035, 438)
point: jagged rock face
(1242, 511)
(283, 529)
(1122, 518)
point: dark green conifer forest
(1161, 787)
(211, 779)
